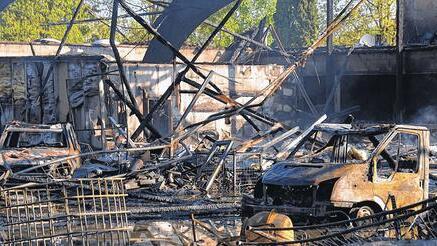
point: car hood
(293, 174)
(30, 155)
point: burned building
(202, 137)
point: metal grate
(86, 211)
(30, 216)
(98, 211)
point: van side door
(398, 169)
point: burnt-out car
(32, 150)
(349, 170)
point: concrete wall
(75, 93)
(148, 83)
(127, 52)
(368, 80)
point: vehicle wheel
(362, 212)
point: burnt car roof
(345, 129)
(21, 126)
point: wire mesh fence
(248, 172)
(237, 174)
(85, 211)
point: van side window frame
(383, 147)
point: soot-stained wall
(420, 94)
(374, 94)
(420, 20)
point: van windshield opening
(17, 139)
(328, 147)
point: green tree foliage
(375, 17)
(250, 13)
(297, 22)
(26, 20)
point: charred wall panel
(421, 102)
(6, 112)
(19, 95)
(33, 79)
(26, 96)
(85, 101)
(374, 94)
(48, 94)
(420, 20)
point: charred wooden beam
(194, 100)
(217, 29)
(190, 64)
(250, 121)
(73, 19)
(132, 107)
(226, 100)
(279, 42)
(117, 56)
(162, 40)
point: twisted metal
(413, 222)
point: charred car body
(345, 169)
(30, 149)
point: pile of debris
(56, 190)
